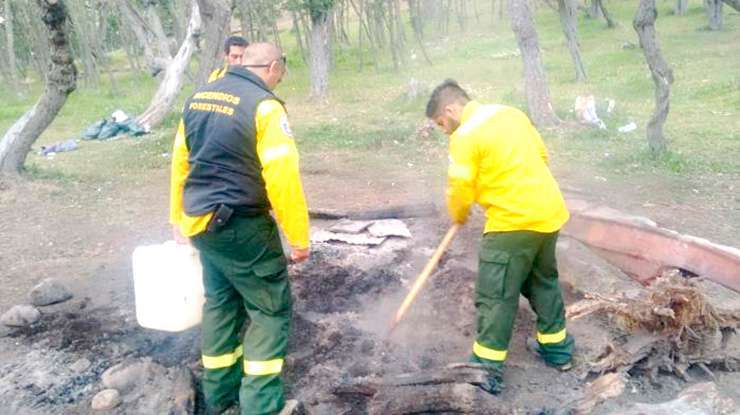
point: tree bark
(320, 59)
(567, 11)
(535, 80)
(156, 50)
(644, 24)
(714, 13)
(10, 43)
(594, 10)
(215, 15)
(61, 80)
(682, 6)
(735, 4)
(171, 84)
(609, 22)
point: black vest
(220, 134)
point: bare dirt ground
(83, 234)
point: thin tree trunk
(594, 10)
(61, 80)
(320, 59)
(29, 15)
(418, 26)
(535, 80)
(644, 24)
(609, 22)
(10, 43)
(682, 6)
(164, 99)
(178, 20)
(298, 35)
(714, 13)
(156, 49)
(215, 15)
(735, 4)
(567, 11)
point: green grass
(369, 112)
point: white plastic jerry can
(168, 286)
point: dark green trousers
(513, 263)
(244, 275)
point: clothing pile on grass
(118, 124)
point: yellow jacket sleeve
(279, 157)
(461, 176)
(180, 170)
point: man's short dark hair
(448, 92)
(234, 41)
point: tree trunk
(215, 15)
(298, 35)
(61, 80)
(178, 20)
(594, 10)
(320, 49)
(156, 52)
(735, 4)
(10, 43)
(567, 11)
(714, 13)
(644, 24)
(244, 19)
(535, 80)
(609, 22)
(682, 6)
(171, 84)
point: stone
(106, 400)
(20, 316)
(80, 365)
(49, 291)
(389, 227)
(350, 226)
(126, 375)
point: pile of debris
(359, 232)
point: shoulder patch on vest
(285, 125)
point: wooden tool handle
(421, 279)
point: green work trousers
(244, 275)
(512, 263)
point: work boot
(535, 347)
(495, 384)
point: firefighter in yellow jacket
(234, 47)
(498, 160)
(234, 160)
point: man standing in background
(233, 52)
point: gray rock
(80, 365)
(48, 292)
(106, 400)
(20, 315)
(126, 375)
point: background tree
(644, 24)
(535, 80)
(567, 12)
(164, 99)
(61, 80)
(216, 25)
